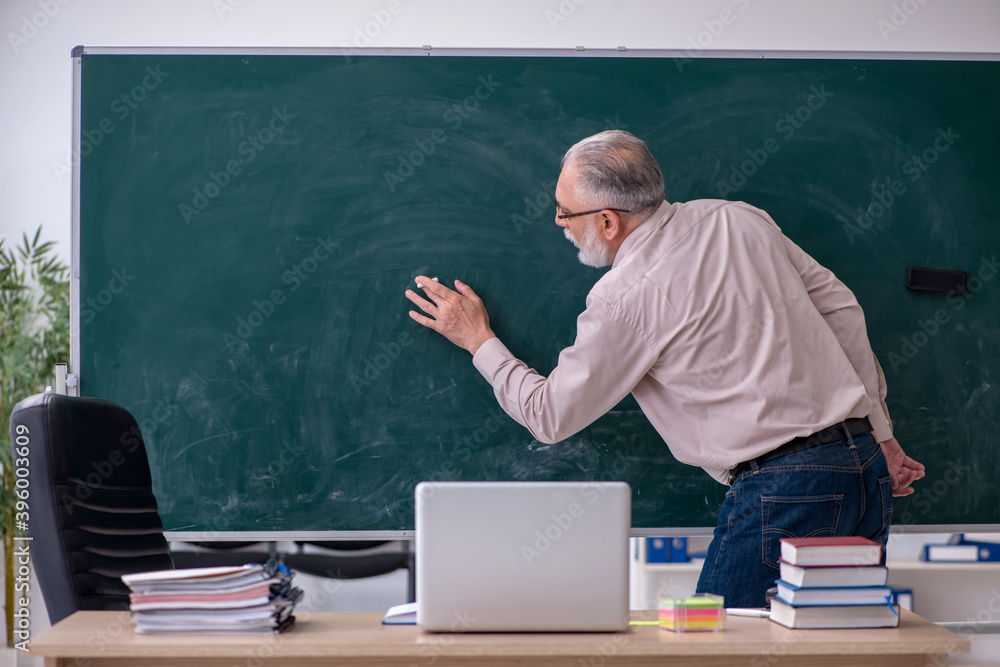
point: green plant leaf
(34, 336)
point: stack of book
(247, 599)
(833, 582)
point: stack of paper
(246, 599)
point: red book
(830, 551)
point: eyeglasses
(566, 216)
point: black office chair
(353, 560)
(219, 554)
(92, 513)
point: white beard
(592, 251)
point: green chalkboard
(248, 224)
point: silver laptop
(522, 556)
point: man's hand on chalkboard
(902, 469)
(458, 316)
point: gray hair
(617, 170)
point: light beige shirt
(731, 338)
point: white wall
(35, 64)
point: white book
(797, 596)
(833, 576)
(401, 614)
(847, 550)
(852, 616)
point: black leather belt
(823, 437)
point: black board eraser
(924, 279)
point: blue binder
(666, 550)
(988, 551)
(962, 551)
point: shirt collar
(634, 240)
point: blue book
(861, 616)
(856, 595)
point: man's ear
(610, 225)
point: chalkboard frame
(428, 51)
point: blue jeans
(832, 489)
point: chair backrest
(93, 515)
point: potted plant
(34, 336)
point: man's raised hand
(458, 316)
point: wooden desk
(320, 638)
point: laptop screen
(522, 556)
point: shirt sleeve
(842, 312)
(608, 358)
